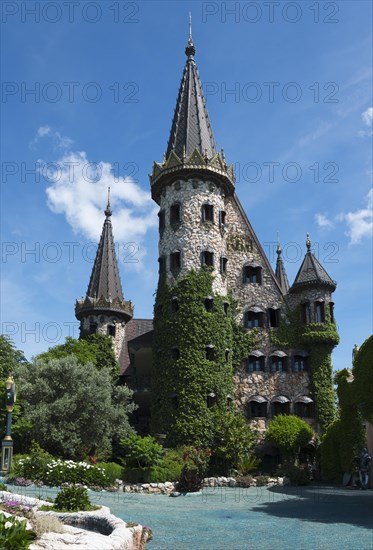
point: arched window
(255, 362)
(207, 258)
(300, 363)
(319, 311)
(278, 361)
(257, 407)
(254, 317)
(208, 213)
(161, 220)
(305, 312)
(175, 261)
(280, 405)
(304, 407)
(175, 213)
(252, 273)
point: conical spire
(105, 279)
(191, 128)
(311, 272)
(280, 271)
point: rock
(175, 494)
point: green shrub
(248, 464)
(13, 533)
(112, 470)
(34, 465)
(72, 499)
(142, 452)
(3, 487)
(289, 433)
(298, 475)
(194, 469)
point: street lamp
(7, 442)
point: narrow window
(161, 219)
(273, 317)
(175, 353)
(331, 311)
(227, 355)
(229, 402)
(162, 264)
(174, 305)
(211, 399)
(175, 261)
(111, 330)
(209, 304)
(306, 313)
(210, 352)
(207, 258)
(255, 364)
(226, 308)
(252, 274)
(319, 312)
(92, 328)
(223, 265)
(253, 319)
(208, 213)
(222, 217)
(175, 213)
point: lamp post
(7, 442)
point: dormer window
(162, 264)
(254, 318)
(319, 312)
(252, 273)
(223, 265)
(161, 220)
(175, 261)
(208, 213)
(175, 213)
(209, 304)
(210, 352)
(207, 258)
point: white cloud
(79, 191)
(59, 142)
(323, 221)
(367, 116)
(360, 222)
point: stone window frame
(207, 213)
(251, 271)
(175, 220)
(175, 261)
(207, 258)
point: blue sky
(288, 89)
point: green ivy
(318, 339)
(181, 385)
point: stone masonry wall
(103, 321)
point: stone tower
(104, 309)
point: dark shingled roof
(281, 273)
(139, 333)
(105, 279)
(191, 128)
(312, 273)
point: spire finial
(190, 49)
(108, 211)
(278, 246)
(308, 242)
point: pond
(299, 518)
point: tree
(10, 356)
(290, 434)
(363, 379)
(73, 408)
(91, 348)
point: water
(287, 518)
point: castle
(202, 225)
